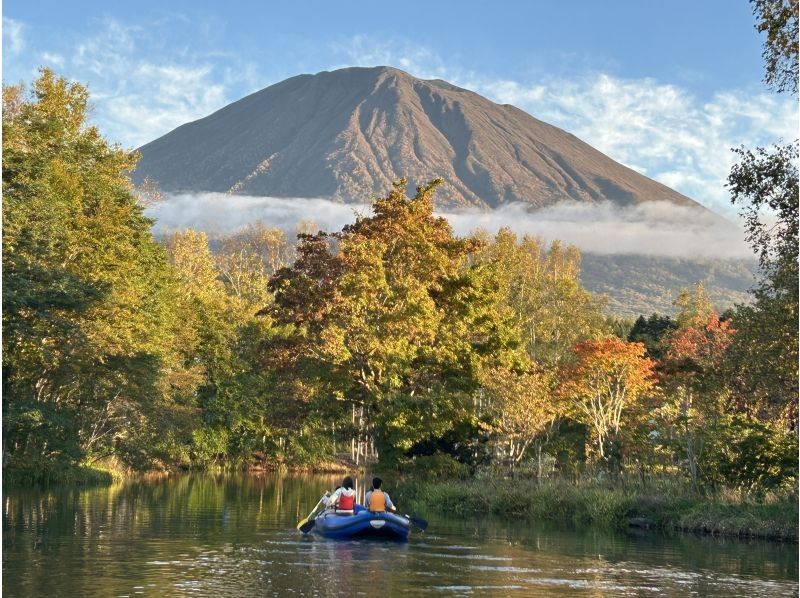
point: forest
(391, 340)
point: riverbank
(665, 507)
(109, 471)
(14, 477)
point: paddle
(307, 524)
(418, 521)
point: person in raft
(343, 499)
(376, 500)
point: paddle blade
(306, 525)
(419, 522)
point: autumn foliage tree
(541, 286)
(606, 377)
(692, 381)
(397, 315)
(524, 407)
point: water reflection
(234, 535)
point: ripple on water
(504, 569)
(448, 546)
(474, 557)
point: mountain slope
(640, 285)
(347, 134)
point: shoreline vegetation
(658, 505)
(663, 506)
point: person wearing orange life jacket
(343, 499)
(376, 500)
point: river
(234, 535)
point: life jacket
(346, 502)
(377, 502)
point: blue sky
(664, 87)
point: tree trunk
(692, 461)
(539, 461)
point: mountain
(347, 134)
(641, 285)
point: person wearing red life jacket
(376, 500)
(343, 499)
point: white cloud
(52, 60)
(656, 228)
(220, 213)
(158, 98)
(139, 98)
(141, 86)
(363, 50)
(658, 129)
(13, 36)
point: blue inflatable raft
(362, 524)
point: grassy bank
(669, 506)
(75, 475)
(111, 470)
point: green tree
(750, 454)
(778, 19)
(765, 186)
(542, 289)
(652, 332)
(86, 312)
(221, 296)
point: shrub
(436, 466)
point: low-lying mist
(654, 229)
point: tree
(523, 407)
(86, 315)
(692, 380)
(693, 304)
(765, 186)
(606, 377)
(652, 332)
(778, 18)
(397, 317)
(543, 290)
(268, 244)
(221, 297)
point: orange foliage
(699, 346)
(607, 376)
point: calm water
(210, 535)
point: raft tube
(362, 524)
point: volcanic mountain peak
(347, 134)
